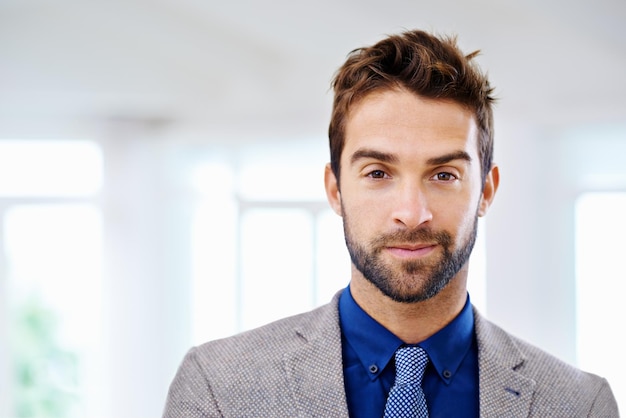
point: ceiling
(244, 67)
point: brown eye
(377, 174)
(445, 176)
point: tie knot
(411, 363)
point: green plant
(45, 374)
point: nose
(410, 206)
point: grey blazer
(293, 368)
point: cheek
(358, 214)
(361, 203)
(363, 217)
(456, 219)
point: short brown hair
(429, 66)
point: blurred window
(40, 168)
(50, 277)
(265, 243)
(600, 285)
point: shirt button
(447, 374)
(373, 368)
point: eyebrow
(446, 158)
(365, 153)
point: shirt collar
(449, 346)
(375, 346)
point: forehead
(403, 122)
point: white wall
(531, 236)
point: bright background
(161, 170)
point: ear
(489, 190)
(332, 190)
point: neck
(412, 322)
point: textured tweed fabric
(293, 368)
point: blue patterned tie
(406, 398)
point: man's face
(410, 192)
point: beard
(416, 280)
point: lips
(411, 250)
(411, 247)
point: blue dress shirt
(451, 380)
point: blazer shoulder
(558, 386)
(509, 350)
(265, 371)
(275, 338)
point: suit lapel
(503, 390)
(314, 371)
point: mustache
(414, 236)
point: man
(411, 171)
